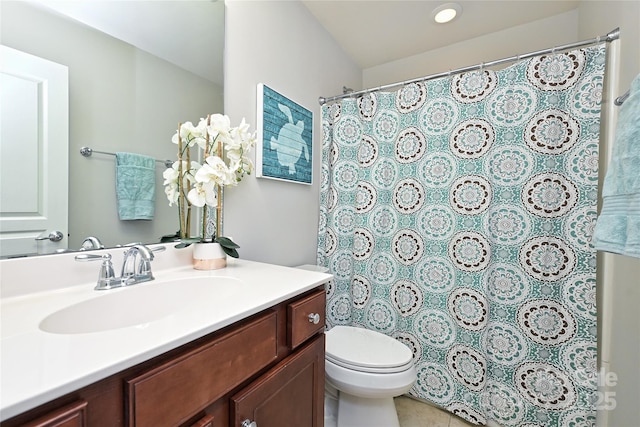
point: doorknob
(54, 236)
(249, 423)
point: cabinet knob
(249, 423)
(314, 318)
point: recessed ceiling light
(446, 12)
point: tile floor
(413, 413)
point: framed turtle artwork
(284, 138)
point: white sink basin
(140, 304)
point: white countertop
(38, 366)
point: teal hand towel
(618, 226)
(135, 186)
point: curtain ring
(553, 50)
(481, 66)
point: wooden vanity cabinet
(268, 368)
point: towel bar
(87, 152)
(620, 100)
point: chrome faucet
(90, 243)
(136, 267)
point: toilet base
(354, 411)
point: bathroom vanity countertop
(38, 366)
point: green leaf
(228, 246)
(226, 242)
(190, 240)
(187, 242)
(232, 252)
(170, 237)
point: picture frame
(284, 138)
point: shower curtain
(456, 216)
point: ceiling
(374, 32)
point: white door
(34, 154)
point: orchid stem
(180, 187)
(219, 207)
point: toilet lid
(365, 350)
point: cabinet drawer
(305, 317)
(173, 392)
(73, 415)
(206, 421)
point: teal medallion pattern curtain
(456, 216)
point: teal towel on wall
(618, 226)
(135, 186)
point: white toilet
(364, 371)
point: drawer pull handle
(249, 423)
(314, 318)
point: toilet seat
(365, 350)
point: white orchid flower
(247, 165)
(202, 182)
(195, 166)
(220, 128)
(172, 192)
(199, 135)
(215, 170)
(234, 155)
(170, 183)
(184, 133)
(237, 148)
(191, 135)
(171, 175)
(203, 193)
(243, 130)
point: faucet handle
(107, 274)
(92, 257)
(106, 277)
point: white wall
(536, 35)
(619, 289)
(280, 44)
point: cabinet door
(290, 394)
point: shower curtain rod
(609, 37)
